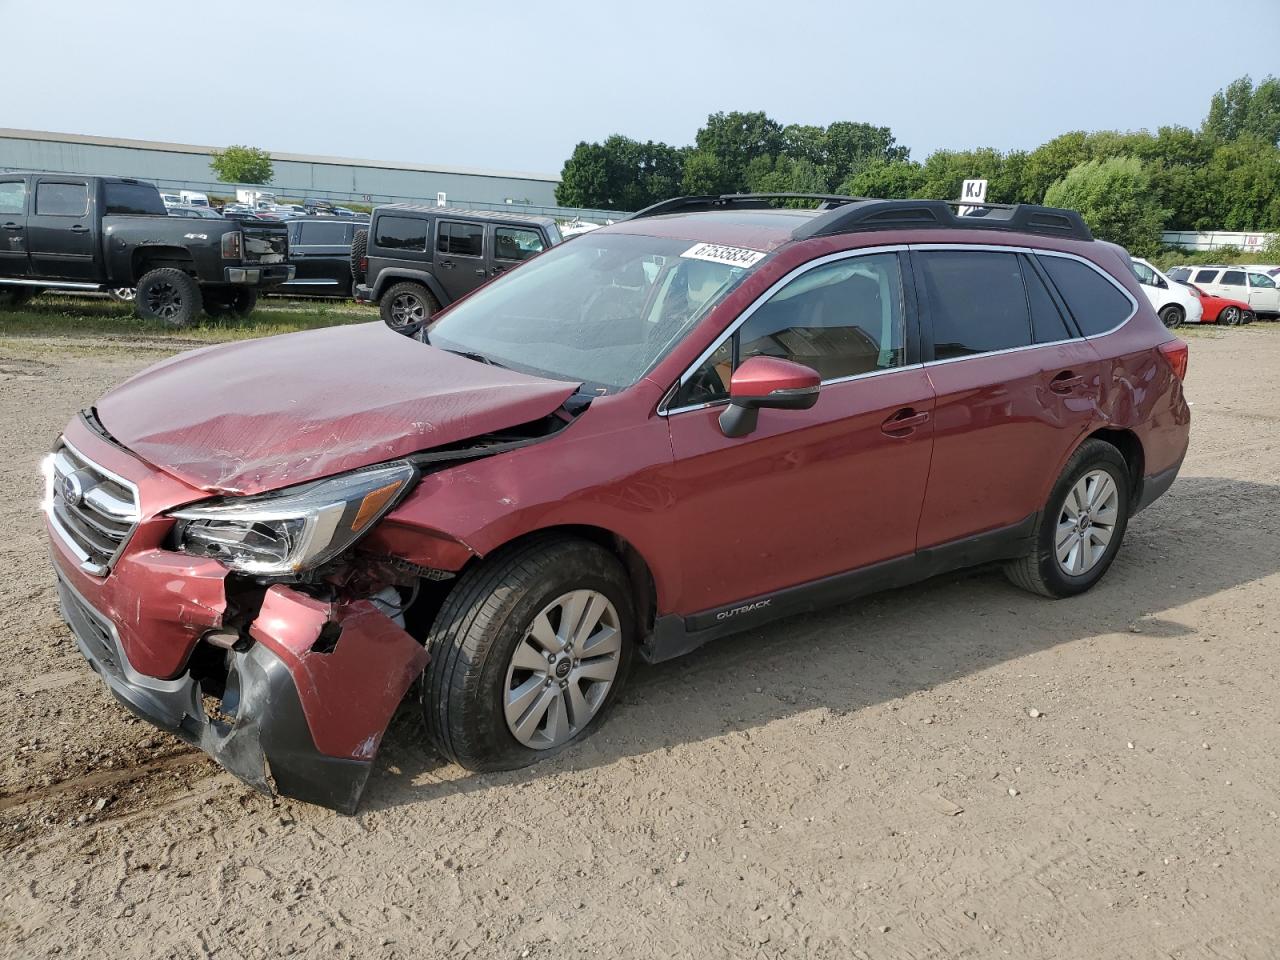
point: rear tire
(407, 306)
(1172, 316)
(359, 247)
(170, 296)
(236, 301)
(1042, 569)
(483, 633)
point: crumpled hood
(262, 414)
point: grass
(102, 318)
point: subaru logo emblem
(72, 490)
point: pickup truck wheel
(406, 306)
(122, 294)
(1081, 526)
(238, 301)
(528, 652)
(169, 295)
(359, 247)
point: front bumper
(260, 276)
(299, 703)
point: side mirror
(761, 382)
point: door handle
(479, 271)
(904, 422)
(13, 226)
(78, 228)
(1066, 382)
(448, 264)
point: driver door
(1264, 295)
(809, 493)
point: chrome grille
(91, 509)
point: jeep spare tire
(359, 247)
(168, 295)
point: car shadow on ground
(1209, 535)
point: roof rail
(938, 214)
(841, 214)
(740, 201)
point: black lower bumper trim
(1156, 486)
(266, 740)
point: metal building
(297, 176)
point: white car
(1252, 283)
(1174, 303)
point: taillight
(1175, 351)
(364, 264)
(232, 245)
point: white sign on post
(441, 199)
(973, 190)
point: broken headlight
(296, 529)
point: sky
(515, 85)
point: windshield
(600, 308)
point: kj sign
(973, 192)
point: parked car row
(1228, 295)
(1250, 287)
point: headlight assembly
(296, 529)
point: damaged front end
(267, 630)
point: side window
(1144, 273)
(510, 243)
(13, 196)
(460, 239)
(401, 233)
(1096, 303)
(132, 199)
(976, 300)
(841, 319)
(1048, 325)
(62, 199)
(1206, 276)
(1232, 278)
(1261, 280)
(319, 232)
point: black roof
(470, 214)
(837, 214)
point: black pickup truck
(72, 233)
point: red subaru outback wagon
(712, 414)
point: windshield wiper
(477, 357)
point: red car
(1221, 309)
(688, 423)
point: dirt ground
(865, 782)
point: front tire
(168, 295)
(1172, 316)
(528, 652)
(1081, 527)
(1229, 315)
(407, 306)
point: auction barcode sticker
(719, 253)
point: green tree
(1243, 182)
(1050, 162)
(620, 174)
(945, 171)
(1242, 110)
(731, 141)
(238, 164)
(1115, 198)
(885, 181)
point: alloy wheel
(1087, 522)
(1229, 316)
(407, 309)
(562, 669)
(164, 300)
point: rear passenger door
(1232, 284)
(460, 257)
(322, 255)
(1013, 383)
(13, 227)
(60, 230)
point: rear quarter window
(1096, 303)
(401, 233)
(1206, 276)
(133, 199)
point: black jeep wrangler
(415, 259)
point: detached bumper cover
(303, 722)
